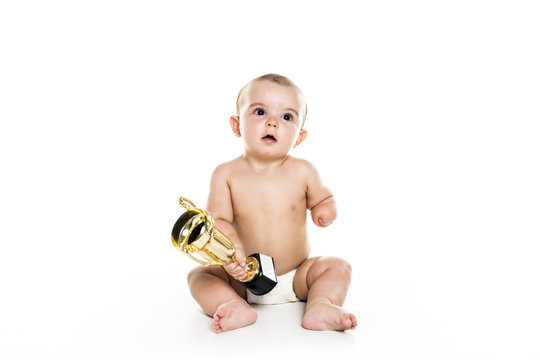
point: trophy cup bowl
(195, 235)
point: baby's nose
(272, 122)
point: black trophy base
(266, 279)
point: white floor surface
(145, 311)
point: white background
(423, 120)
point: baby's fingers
(235, 270)
(239, 273)
(240, 257)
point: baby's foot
(233, 315)
(322, 315)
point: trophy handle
(196, 260)
(205, 263)
(186, 203)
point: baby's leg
(211, 288)
(324, 282)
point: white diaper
(282, 293)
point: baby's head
(277, 79)
(271, 111)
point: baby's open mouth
(269, 138)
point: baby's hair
(280, 79)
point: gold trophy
(195, 235)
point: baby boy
(260, 201)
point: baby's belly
(289, 249)
(286, 261)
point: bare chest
(268, 197)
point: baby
(260, 201)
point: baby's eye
(287, 117)
(259, 112)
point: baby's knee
(339, 265)
(193, 274)
(199, 272)
(330, 263)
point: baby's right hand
(237, 269)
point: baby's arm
(320, 200)
(220, 206)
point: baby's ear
(301, 137)
(234, 121)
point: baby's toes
(346, 322)
(217, 325)
(354, 323)
(220, 312)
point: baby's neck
(264, 166)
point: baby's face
(270, 118)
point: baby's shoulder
(225, 169)
(302, 166)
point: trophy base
(263, 280)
